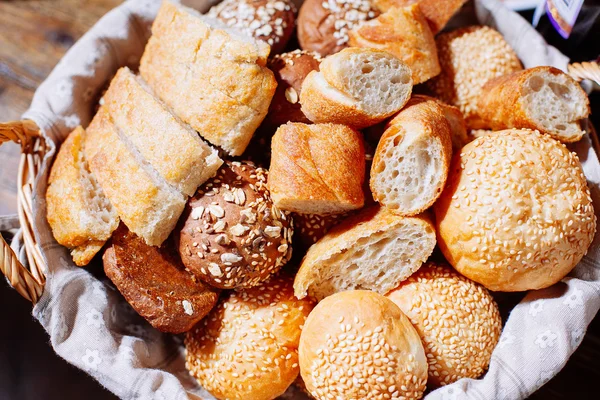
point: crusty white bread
(213, 78)
(541, 98)
(411, 162)
(79, 214)
(356, 87)
(172, 148)
(404, 32)
(458, 126)
(317, 169)
(374, 250)
(144, 201)
(437, 12)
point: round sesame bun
(231, 235)
(272, 21)
(290, 69)
(516, 213)
(247, 347)
(469, 57)
(457, 320)
(323, 25)
(359, 345)
(310, 228)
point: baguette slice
(173, 149)
(411, 162)
(356, 87)
(79, 214)
(317, 169)
(373, 250)
(145, 202)
(458, 126)
(404, 32)
(437, 12)
(541, 98)
(213, 78)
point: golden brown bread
(540, 98)
(79, 214)
(404, 32)
(231, 235)
(214, 79)
(155, 283)
(305, 177)
(529, 212)
(359, 345)
(437, 12)
(247, 348)
(458, 322)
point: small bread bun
(231, 234)
(272, 21)
(470, 57)
(458, 322)
(323, 25)
(290, 69)
(359, 345)
(516, 213)
(247, 347)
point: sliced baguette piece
(541, 98)
(172, 148)
(404, 32)
(79, 214)
(437, 12)
(458, 126)
(213, 78)
(317, 169)
(144, 201)
(411, 162)
(356, 87)
(373, 250)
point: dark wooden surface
(33, 37)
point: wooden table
(33, 37)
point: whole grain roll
(516, 213)
(247, 347)
(469, 57)
(359, 345)
(231, 234)
(458, 322)
(323, 25)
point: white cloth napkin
(93, 328)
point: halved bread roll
(373, 250)
(356, 87)
(411, 162)
(541, 98)
(404, 32)
(213, 78)
(305, 177)
(80, 215)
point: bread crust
(155, 283)
(403, 32)
(304, 176)
(422, 116)
(437, 12)
(501, 102)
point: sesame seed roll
(359, 345)
(516, 213)
(231, 234)
(469, 57)
(247, 347)
(458, 322)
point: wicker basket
(29, 281)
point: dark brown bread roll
(154, 281)
(231, 235)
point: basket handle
(25, 133)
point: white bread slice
(79, 214)
(173, 149)
(540, 98)
(411, 162)
(145, 202)
(373, 250)
(356, 87)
